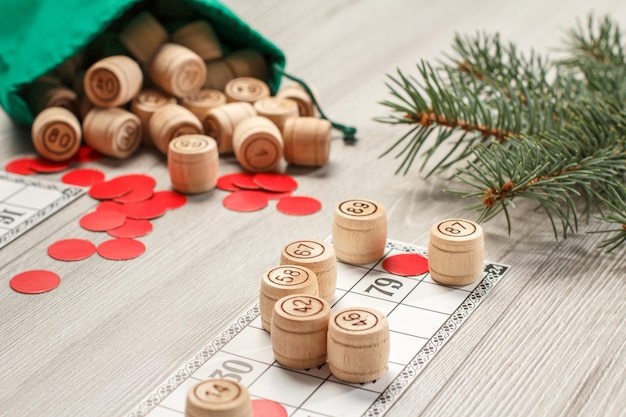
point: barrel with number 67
(455, 251)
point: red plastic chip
(132, 228)
(109, 189)
(142, 188)
(275, 181)
(83, 177)
(406, 264)
(102, 220)
(267, 408)
(35, 281)
(71, 249)
(245, 181)
(170, 199)
(20, 166)
(245, 201)
(109, 205)
(121, 249)
(298, 205)
(225, 182)
(147, 209)
(87, 154)
(45, 166)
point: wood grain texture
(548, 341)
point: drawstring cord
(349, 132)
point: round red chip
(406, 264)
(121, 249)
(109, 189)
(245, 181)
(170, 199)
(83, 177)
(35, 281)
(45, 166)
(245, 201)
(298, 206)
(275, 181)
(87, 154)
(20, 166)
(147, 209)
(102, 220)
(132, 228)
(109, 205)
(225, 182)
(142, 187)
(267, 408)
(71, 249)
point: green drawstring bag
(38, 35)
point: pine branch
(525, 127)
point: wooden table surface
(547, 341)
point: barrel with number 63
(282, 281)
(359, 231)
(455, 251)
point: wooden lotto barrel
(246, 89)
(172, 121)
(50, 92)
(247, 62)
(113, 81)
(300, 330)
(455, 251)
(295, 92)
(358, 344)
(319, 257)
(199, 37)
(114, 132)
(177, 70)
(143, 36)
(218, 397)
(258, 144)
(359, 231)
(281, 281)
(307, 141)
(218, 74)
(204, 100)
(145, 104)
(277, 109)
(220, 122)
(56, 134)
(192, 161)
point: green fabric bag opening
(38, 35)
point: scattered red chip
(225, 182)
(147, 209)
(83, 177)
(298, 206)
(109, 189)
(245, 181)
(267, 408)
(45, 166)
(71, 249)
(245, 201)
(406, 264)
(121, 249)
(35, 281)
(87, 154)
(20, 166)
(102, 220)
(275, 181)
(170, 199)
(142, 187)
(109, 205)
(132, 228)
